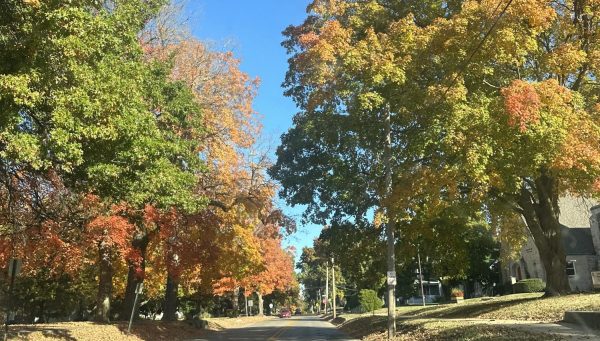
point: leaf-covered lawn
(142, 330)
(423, 323)
(530, 307)
(420, 330)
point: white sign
(391, 277)
(271, 305)
(596, 279)
(14, 265)
(250, 303)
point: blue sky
(252, 30)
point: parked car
(285, 313)
(298, 311)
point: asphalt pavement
(295, 328)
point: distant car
(298, 311)
(285, 313)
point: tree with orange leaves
(235, 183)
(277, 271)
(100, 116)
(490, 103)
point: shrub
(232, 313)
(457, 293)
(369, 301)
(529, 285)
(352, 302)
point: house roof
(577, 241)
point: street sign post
(138, 290)
(250, 303)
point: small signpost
(391, 277)
(250, 304)
(14, 267)
(138, 290)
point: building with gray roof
(581, 240)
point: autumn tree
(277, 265)
(351, 143)
(69, 60)
(233, 182)
(490, 103)
(519, 119)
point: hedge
(529, 285)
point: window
(571, 268)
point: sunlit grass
(442, 322)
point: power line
(469, 59)
(487, 34)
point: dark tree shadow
(22, 331)
(163, 331)
(474, 310)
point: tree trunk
(171, 300)
(235, 301)
(104, 284)
(140, 243)
(81, 310)
(538, 202)
(260, 304)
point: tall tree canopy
(79, 99)
(491, 102)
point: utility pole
(326, 286)
(333, 285)
(421, 276)
(390, 227)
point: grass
(142, 330)
(424, 330)
(423, 323)
(527, 307)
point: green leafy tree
(358, 249)
(312, 274)
(506, 122)
(78, 96)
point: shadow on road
(293, 329)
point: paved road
(296, 328)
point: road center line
(280, 331)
